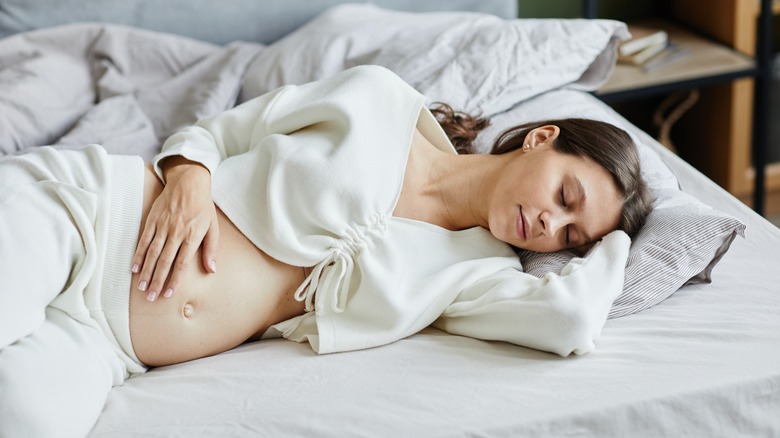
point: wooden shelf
(717, 134)
(704, 58)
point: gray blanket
(124, 88)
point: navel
(187, 310)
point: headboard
(219, 22)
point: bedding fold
(124, 88)
(477, 63)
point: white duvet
(478, 63)
(124, 88)
(129, 89)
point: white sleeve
(211, 140)
(560, 314)
(282, 111)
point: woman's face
(546, 201)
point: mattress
(704, 362)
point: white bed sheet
(705, 362)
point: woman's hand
(181, 218)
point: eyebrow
(581, 203)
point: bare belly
(212, 313)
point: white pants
(68, 226)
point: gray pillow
(680, 243)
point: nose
(552, 222)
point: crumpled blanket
(124, 88)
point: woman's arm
(204, 145)
(183, 217)
(210, 141)
(282, 111)
(560, 314)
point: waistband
(126, 191)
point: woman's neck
(460, 187)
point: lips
(520, 225)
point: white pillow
(477, 63)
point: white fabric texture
(55, 381)
(285, 167)
(68, 227)
(478, 63)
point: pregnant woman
(336, 212)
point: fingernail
(142, 285)
(152, 295)
(213, 265)
(168, 293)
(135, 268)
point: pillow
(682, 239)
(681, 242)
(477, 63)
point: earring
(526, 147)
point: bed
(694, 352)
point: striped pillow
(680, 243)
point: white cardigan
(311, 175)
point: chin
(522, 246)
(516, 243)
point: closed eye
(563, 203)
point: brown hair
(609, 146)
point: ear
(540, 136)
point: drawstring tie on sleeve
(335, 280)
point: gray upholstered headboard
(216, 21)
